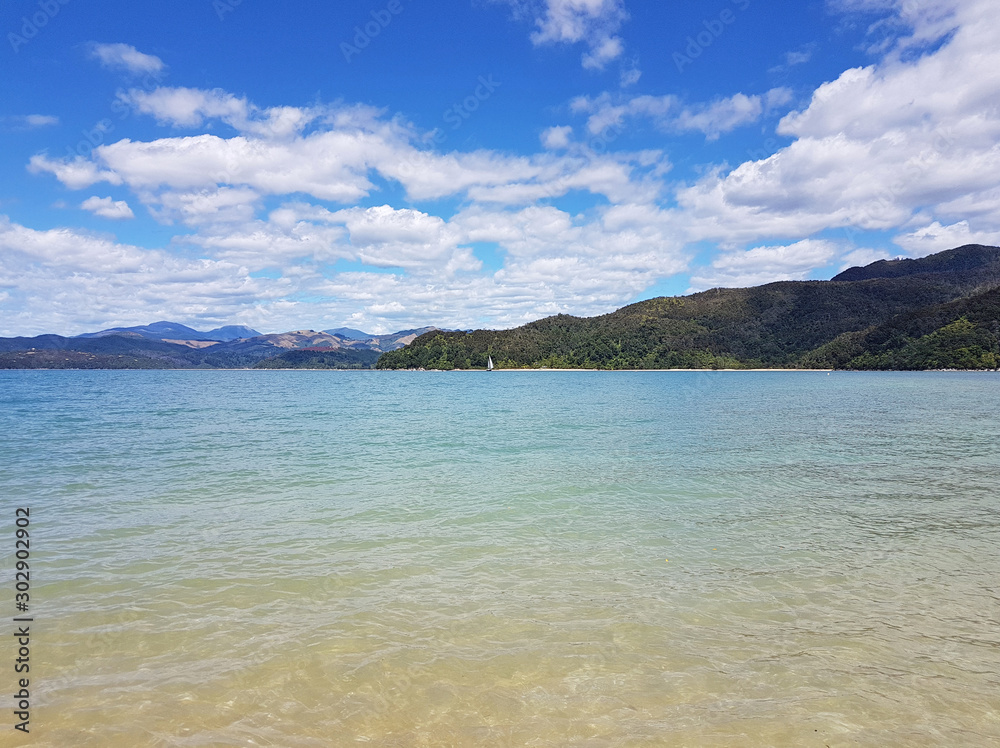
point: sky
(392, 164)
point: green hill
(786, 324)
(962, 334)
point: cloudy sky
(475, 163)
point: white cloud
(754, 267)
(191, 107)
(881, 147)
(28, 122)
(863, 256)
(217, 205)
(336, 160)
(777, 97)
(721, 116)
(331, 166)
(187, 107)
(795, 57)
(553, 261)
(67, 281)
(593, 22)
(603, 52)
(935, 238)
(798, 57)
(630, 75)
(105, 207)
(127, 58)
(669, 114)
(75, 174)
(386, 237)
(557, 137)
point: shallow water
(516, 558)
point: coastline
(483, 371)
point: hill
(135, 350)
(971, 258)
(785, 324)
(962, 334)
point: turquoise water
(516, 558)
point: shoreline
(529, 370)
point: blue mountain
(176, 331)
(349, 333)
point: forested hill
(944, 307)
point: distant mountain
(852, 321)
(396, 340)
(170, 345)
(349, 333)
(155, 331)
(381, 343)
(177, 331)
(124, 346)
(299, 339)
(230, 332)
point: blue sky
(475, 163)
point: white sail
(489, 363)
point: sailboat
(489, 363)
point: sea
(514, 558)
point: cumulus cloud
(75, 173)
(191, 107)
(105, 207)
(61, 278)
(335, 161)
(126, 58)
(554, 261)
(935, 238)
(739, 269)
(877, 148)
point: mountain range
(175, 331)
(169, 345)
(938, 312)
